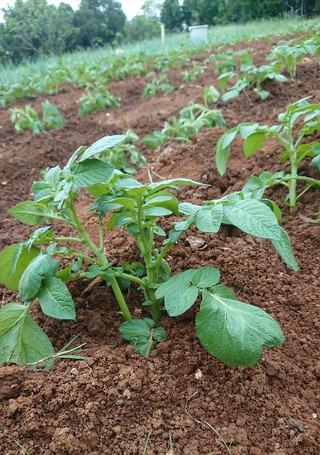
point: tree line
(33, 28)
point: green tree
(142, 27)
(152, 8)
(99, 21)
(32, 28)
(171, 14)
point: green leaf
(233, 93)
(255, 186)
(284, 249)
(101, 145)
(154, 140)
(159, 186)
(55, 299)
(223, 149)
(11, 267)
(30, 212)
(209, 218)
(165, 200)
(31, 279)
(223, 291)
(178, 292)
(141, 334)
(315, 163)
(157, 211)
(253, 143)
(247, 129)
(205, 277)
(235, 332)
(21, 339)
(91, 172)
(254, 218)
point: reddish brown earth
(109, 403)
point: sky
(130, 7)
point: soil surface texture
(110, 402)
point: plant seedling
(251, 77)
(194, 73)
(28, 118)
(124, 155)
(97, 98)
(229, 329)
(192, 119)
(300, 120)
(290, 56)
(161, 84)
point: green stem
(162, 254)
(155, 308)
(132, 278)
(101, 234)
(120, 299)
(81, 256)
(104, 261)
(293, 185)
(68, 239)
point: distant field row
(227, 34)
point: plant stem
(155, 309)
(101, 234)
(120, 299)
(293, 185)
(132, 278)
(68, 239)
(104, 261)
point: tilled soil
(110, 402)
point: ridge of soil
(111, 401)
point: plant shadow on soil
(108, 403)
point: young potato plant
(28, 118)
(299, 121)
(97, 98)
(162, 84)
(251, 77)
(192, 119)
(124, 155)
(194, 73)
(290, 56)
(233, 331)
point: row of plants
(190, 122)
(96, 98)
(284, 55)
(58, 77)
(231, 330)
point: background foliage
(32, 28)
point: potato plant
(290, 56)
(233, 331)
(300, 120)
(194, 73)
(162, 85)
(28, 118)
(97, 98)
(124, 155)
(191, 120)
(251, 77)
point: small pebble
(314, 415)
(295, 424)
(198, 374)
(74, 371)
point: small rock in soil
(295, 424)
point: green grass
(227, 34)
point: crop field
(159, 250)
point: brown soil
(109, 403)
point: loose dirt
(110, 402)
